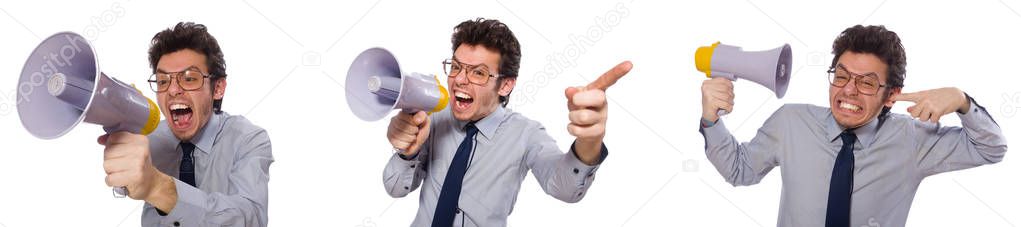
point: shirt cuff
(579, 167)
(977, 114)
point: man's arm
(561, 175)
(409, 135)
(745, 163)
(978, 142)
(740, 164)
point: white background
(287, 61)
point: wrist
(163, 194)
(965, 104)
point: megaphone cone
(769, 68)
(376, 85)
(61, 86)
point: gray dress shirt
(507, 146)
(232, 158)
(890, 159)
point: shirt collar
(866, 133)
(487, 125)
(205, 137)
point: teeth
(462, 95)
(849, 106)
(178, 107)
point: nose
(175, 88)
(850, 88)
(461, 78)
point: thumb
(569, 92)
(102, 139)
(419, 118)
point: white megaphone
(769, 68)
(61, 86)
(376, 85)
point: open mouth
(462, 101)
(180, 115)
(849, 107)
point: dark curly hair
(192, 36)
(494, 35)
(880, 42)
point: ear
(889, 98)
(220, 88)
(506, 86)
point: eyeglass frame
(831, 75)
(176, 77)
(449, 62)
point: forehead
(477, 54)
(181, 60)
(863, 63)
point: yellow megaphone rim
(444, 97)
(703, 58)
(154, 114)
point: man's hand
(587, 107)
(717, 94)
(930, 105)
(127, 163)
(408, 132)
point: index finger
(610, 77)
(910, 97)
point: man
(854, 164)
(471, 158)
(207, 167)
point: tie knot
(848, 137)
(187, 147)
(470, 129)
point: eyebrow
(186, 69)
(849, 71)
(460, 62)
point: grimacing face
(187, 112)
(851, 108)
(472, 102)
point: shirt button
(575, 170)
(405, 187)
(177, 223)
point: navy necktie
(447, 204)
(187, 169)
(838, 209)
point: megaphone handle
(721, 112)
(120, 192)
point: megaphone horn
(376, 85)
(769, 68)
(61, 86)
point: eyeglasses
(189, 80)
(867, 84)
(477, 74)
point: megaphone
(61, 86)
(375, 85)
(769, 68)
